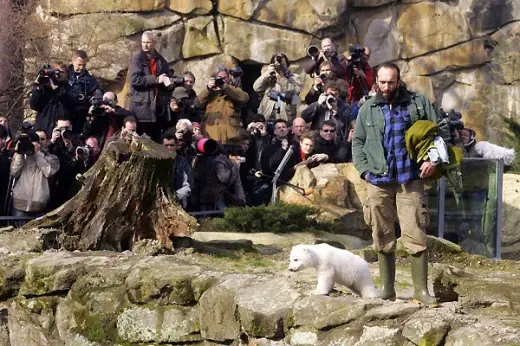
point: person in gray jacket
(32, 171)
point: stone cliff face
(462, 54)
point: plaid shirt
(401, 170)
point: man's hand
(427, 169)
(318, 81)
(53, 86)
(108, 109)
(285, 144)
(322, 99)
(211, 83)
(37, 146)
(319, 157)
(359, 72)
(56, 134)
(350, 135)
(271, 69)
(160, 79)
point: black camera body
(356, 53)
(47, 73)
(177, 81)
(97, 101)
(26, 137)
(84, 150)
(219, 82)
(283, 96)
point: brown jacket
(222, 119)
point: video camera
(356, 53)
(286, 96)
(47, 73)
(25, 140)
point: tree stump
(126, 196)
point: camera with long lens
(205, 146)
(177, 81)
(313, 52)
(286, 96)
(84, 150)
(219, 82)
(356, 53)
(65, 133)
(98, 101)
(47, 73)
(26, 137)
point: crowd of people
(227, 150)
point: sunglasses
(169, 145)
(327, 131)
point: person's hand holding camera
(108, 109)
(56, 134)
(37, 146)
(211, 83)
(318, 82)
(271, 69)
(322, 99)
(360, 73)
(285, 144)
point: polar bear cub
(334, 266)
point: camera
(47, 73)
(205, 146)
(26, 137)
(279, 58)
(219, 82)
(97, 101)
(177, 81)
(283, 96)
(331, 100)
(236, 72)
(84, 150)
(356, 52)
(65, 133)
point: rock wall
(462, 54)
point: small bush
(278, 218)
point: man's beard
(390, 95)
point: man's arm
(310, 112)
(237, 95)
(262, 83)
(202, 99)
(17, 165)
(223, 174)
(294, 83)
(339, 65)
(185, 189)
(359, 156)
(48, 164)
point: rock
(242, 9)
(150, 247)
(4, 327)
(303, 338)
(218, 319)
(377, 29)
(57, 272)
(201, 38)
(378, 336)
(12, 275)
(203, 68)
(467, 336)
(370, 3)
(22, 240)
(467, 54)
(191, 7)
(66, 313)
(169, 42)
(391, 311)
(146, 325)
(163, 279)
(342, 335)
(25, 329)
(78, 6)
(506, 53)
(491, 15)
(271, 315)
(419, 23)
(305, 15)
(324, 312)
(421, 84)
(248, 41)
(426, 332)
(110, 60)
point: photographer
(182, 180)
(52, 97)
(259, 140)
(223, 186)
(129, 128)
(83, 86)
(278, 83)
(329, 53)
(329, 107)
(105, 117)
(360, 75)
(32, 166)
(151, 82)
(325, 75)
(328, 144)
(281, 139)
(223, 104)
(4, 121)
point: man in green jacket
(395, 184)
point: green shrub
(278, 218)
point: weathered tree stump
(125, 196)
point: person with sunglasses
(328, 144)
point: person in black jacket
(328, 144)
(329, 107)
(4, 168)
(52, 99)
(84, 86)
(150, 81)
(182, 180)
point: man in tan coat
(222, 103)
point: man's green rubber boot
(419, 262)
(387, 274)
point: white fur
(492, 151)
(334, 265)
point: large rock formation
(461, 55)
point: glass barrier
(465, 206)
